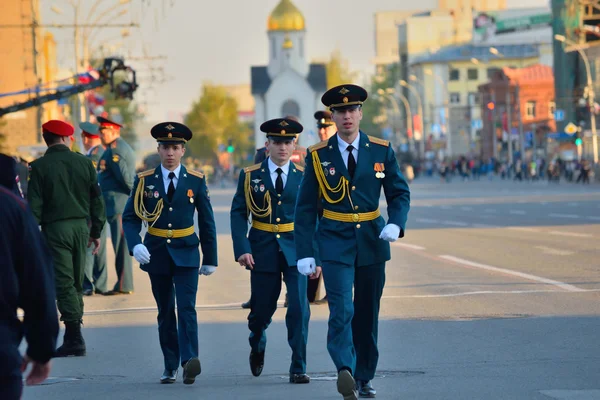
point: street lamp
(590, 91)
(442, 85)
(415, 92)
(388, 93)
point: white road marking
(523, 228)
(573, 216)
(466, 208)
(427, 220)
(594, 218)
(572, 234)
(554, 252)
(592, 394)
(478, 292)
(490, 210)
(517, 212)
(544, 203)
(455, 223)
(483, 226)
(408, 246)
(445, 207)
(530, 277)
(221, 209)
(572, 204)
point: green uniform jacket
(116, 171)
(64, 185)
(95, 155)
(264, 246)
(350, 243)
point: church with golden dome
(288, 84)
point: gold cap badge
(283, 123)
(169, 127)
(344, 90)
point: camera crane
(123, 88)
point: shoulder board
(318, 146)
(252, 168)
(195, 173)
(381, 142)
(299, 167)
(145, 173)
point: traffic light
(230, 147)
(578, 140)
(491, 105)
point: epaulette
(299, 167)
(381, 142)
(252, 168)
(144, 174)
(318, 146)
(195, 173)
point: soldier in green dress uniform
(63, 195)
(116, 171)
(346, 174)
(95, 276)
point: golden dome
(286, 17)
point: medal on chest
(379, 168)
(190, 194)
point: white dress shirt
(273, 171)
(343, 146)
(166, 180)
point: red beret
(59, 128)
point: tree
(338, 70)
(374, 108)
(214, 120)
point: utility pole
(509, 124)
(494, 138)
(36, 72)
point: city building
(447, 82)
(289, 84)
(517, 104)
(30, 58)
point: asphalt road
(494, 293)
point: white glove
(207, 270)
(390, 233)
(141, 254)
(307, 266)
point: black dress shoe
(346, 385)
(117, 292)
(299, 378)
(246, 305)
(88, 292)
(257, 362)
(365, 389)
(191, 369)
(169, 376)
(98, 291)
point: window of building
(530, 109)
(473, 98)
(454, 74)
(472, 74)
(290, 107)
(551, 109)
(454, 98)
(492, 71)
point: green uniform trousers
(68, 241)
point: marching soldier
(346, 174)
(298, 155)
(94, 279)
(116, 171)
(267, 192)
(165, 199)
(327, 129)
(26, 282)
(63, 195)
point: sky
(217, 41)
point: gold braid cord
(324, 186)
(140, 208)
(251, 204)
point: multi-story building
(30, 59)
(447, 82)
(518, 105)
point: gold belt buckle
(354, 217)
(169, 233)
(276, 228)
